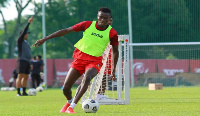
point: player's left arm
(114, 42)
(114, 59)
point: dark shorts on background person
(23, 67)
(83, 65)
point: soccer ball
(12, 89)
(39, 89)
(5, 89)
(90, 106)
(32, 92)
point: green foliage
(170, 56)
(3, 3)
(160, 21)
(1, 50)
(152, 21)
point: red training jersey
(82, 26)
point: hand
(30, 19)
(112, 77)
(38, 42)
(41, 74)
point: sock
(98, 95)
(18, 91)
(69, 101)
(24, 89)
(72, 105)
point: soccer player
(36, 66)
(110, 21)
(87, 54)
(39, 59)
(24, 59)
(107, 72)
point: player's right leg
(102, 89)
(70, 79)
(33, 80)
(24, 83)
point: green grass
(179, 101)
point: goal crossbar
(162, 44)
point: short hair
(105, 10)
(39, 56)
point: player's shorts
(83, 65)
(23, 67)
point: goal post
(118, 91)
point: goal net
(172, 64)
(116, 92)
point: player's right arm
(78, 27)
(59, 33)
(21, 36)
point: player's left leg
(27, 69)
(89, 75)
(38, 80)
(33, 80)
(24, 83)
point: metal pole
(131, 48)
(44, 45)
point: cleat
(70, 110)
(64, 108)
(98, 97)
(104, 97)
(19, 94)
(24, 94)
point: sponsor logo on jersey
(98, 35)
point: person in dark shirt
(13, 77)
(107, 72)
(35, 72)
(24, 59)
(39, 59)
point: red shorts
(83, 65)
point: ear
(97, 16)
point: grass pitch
(176, 101)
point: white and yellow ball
(90, 106)
(39, 89)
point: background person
(13, 77)
(24, 59)
(35, 72)
(39, 59)
(107, 72)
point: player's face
(103, 18)
(110, 21)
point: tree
(65, 13)
(10, 35)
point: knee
(87, 79)
(66, 90)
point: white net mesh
(114, 91)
